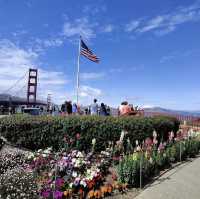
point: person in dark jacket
(103, 111)
(69, 107)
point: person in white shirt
(94, 108)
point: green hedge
(45, 131)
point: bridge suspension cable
(16, 83)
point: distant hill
(169, 111)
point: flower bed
(71, 173)
(63, 174)
(149, 159)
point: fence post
(141, 159)
(180, 152)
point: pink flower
(155, 141)
(171, 136)
(161, 147)
(78, 136)
(148, 142)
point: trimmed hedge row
(45, 131)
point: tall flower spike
(154, 134)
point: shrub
(163, 125)
(46, 131)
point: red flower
(78, 136)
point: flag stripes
(86, 52)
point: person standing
(69, 107)
(94, 108)
(124, 108)
(74, 109)
(103, 111)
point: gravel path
(182, 182)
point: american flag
(85, 51)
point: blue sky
(149, 50)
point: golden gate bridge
(23, 91)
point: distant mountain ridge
(170, 111)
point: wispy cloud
(81, 26)
(180, 55)
(94, 9)
(108, 28)
(133, 25)
(91, 76)
(87, 91)
(40, 45)
(166, 23)
(116, 70)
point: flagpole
(78, 70)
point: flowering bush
(65, 173)
(8, 161)
(150, 158)
(18, 183)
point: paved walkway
(182, 182)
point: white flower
(74, 174)
(93, 141)
(154, 134)
(83, 183)
(44, 155)
(30, 156)
(122, 136)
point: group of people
(124, 109)
(127, 109)
(70, 108)
(93, 109)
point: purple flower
(57, 194)
(59, 182)
(46, 193)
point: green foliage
(164, 124)
(35, 132)
(128, 169)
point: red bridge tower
(32, 86)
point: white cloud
(91, 76)
(152, 24)
(39, 45)
(94, 9)
(164, 24)
(132, 25)
(80, 26)
(167, 58)
(15, 62)
(108, 28)
(87, 91)
(53, 42)
(116, 70)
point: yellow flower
(135, 156)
